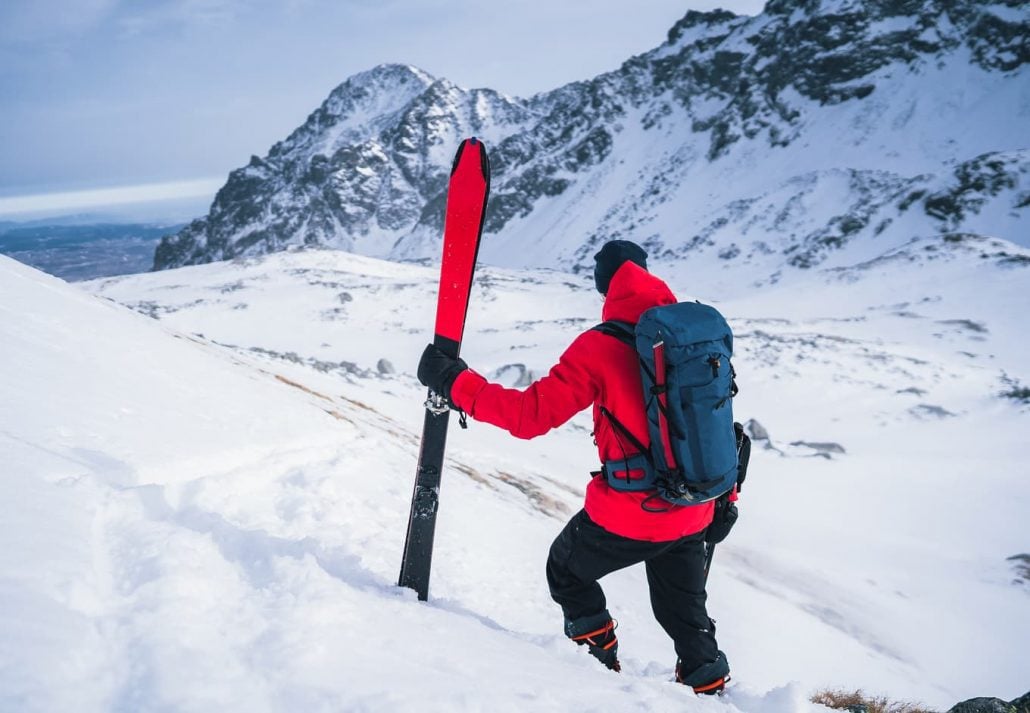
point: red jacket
(596, 370)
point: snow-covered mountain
(776, 140)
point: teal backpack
(684, 351)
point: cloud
(24, 23)
(27, 23)
(180, 15)
(102, 197)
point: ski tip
(483, 158)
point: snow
(1007, 13)
(217, 563)
(221, 516)
(889, 25)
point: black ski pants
(584, 552)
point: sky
(109, 102)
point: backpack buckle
(632, 473)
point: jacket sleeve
(568, 388)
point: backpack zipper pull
(715, 363)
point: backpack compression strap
(660, 390)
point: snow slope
(842, 569)
(192, 528)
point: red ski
(463, 227)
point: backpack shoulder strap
(641, 448)
(623, 331)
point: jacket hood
(632, 291)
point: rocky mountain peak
(351, 110)
(700, 20)
(736, 109)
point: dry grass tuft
(859, 702)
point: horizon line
(113, 196)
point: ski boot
(708, 679)
(597, 633)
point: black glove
(438, 371)
(722, 523)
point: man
(615, 528)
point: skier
(614, 529)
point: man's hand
(722, 523)
(438, 371)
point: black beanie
(610, 259)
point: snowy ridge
(686, 146)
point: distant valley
(83, 252)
